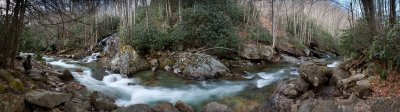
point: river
(152, 87)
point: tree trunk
(392, 16)
(273, 26)
(369, 10)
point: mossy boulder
(128, 61)
(17, 86)
(2, 88)
(6, 76)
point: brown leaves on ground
(385, 88)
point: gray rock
(256, 51)
(46, 98)
(290, 59)
(293, 88)
(165, 107)
(127, 61)
(338, 74)
(216, 107)
(200, 66)
(314, 72)
(318, 105)
(80, 101)
(363, 88)
(183, 107)
(154, 62)
(135, 108)
(11, 103)
(66, 76)
(385, 104)
(102, 102)
(325, 106)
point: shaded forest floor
(388, 87)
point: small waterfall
(334, 64)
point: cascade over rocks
(311, 92)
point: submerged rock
(127, 61)
(200, 66)
(183, 107)
(216, 107)
(135, 108)
(48, 99)
(165, 107)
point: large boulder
(216, 107)
(315, 72)
(11, 103)
(256, 51)
(48, 99)
(135, 108)
(102, 102)
(127, 61)
(183, 107)
(165, 107)
(200, 66)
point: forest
(199, 55)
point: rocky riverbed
(119, 79)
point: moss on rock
(17, 86)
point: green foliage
(203, 25)
(30, 42)
(150, 39)
(260, 34)
(206, 27)
(387, 47)
(355, 40)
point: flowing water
(152, 87)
